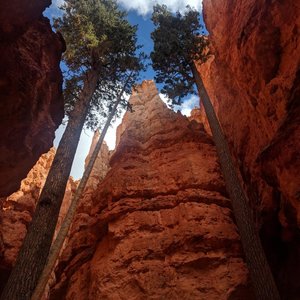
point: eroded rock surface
(101, 165)
(31, 104)
(17, 210)
(253, 79)
(159, 226)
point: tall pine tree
(101, 47)
(62, 234)
(178, 43)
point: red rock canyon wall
(159, 226)
(31, 104)
(101, 165)
(17, 210)
(253, 79)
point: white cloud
(144, 7)
(165, 99)
(186, 107)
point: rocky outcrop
(101, 165)
(253, 79)
(159, 226)
(31, 104)
(16, 16)
(17, 210)
(199, 116)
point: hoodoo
(160, 223)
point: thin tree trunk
(261, 275)
(61, 236)
(34, 252)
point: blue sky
(139, 13)
(145, 27)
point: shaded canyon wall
(253, 79)
(31, 104)
(159, 225)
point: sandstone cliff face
(199, 116)
(17, 210)
(31, 104)
(253, 80)
(159, 226)
(101, 165)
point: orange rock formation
(159, 226)
(17, 210)
(101, 165)
(253, 79)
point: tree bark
(62, 234)
(34, 252)
(261, 275)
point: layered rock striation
(159, 225)
(31, 103)
(17, 210)
(101, 165)
(253, 79)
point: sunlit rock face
(199, 116)
(31, 104)
(159, 225)
(101, 165)
(17, 210)
(253, 80)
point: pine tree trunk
(261, 276)
(61, 236)
(33, 254)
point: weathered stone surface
(17, 210)
(16, 16)
(101, 165)
(31, 104)
(253, 79)
(159, 226)
(199, 116)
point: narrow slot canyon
(154, 219)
